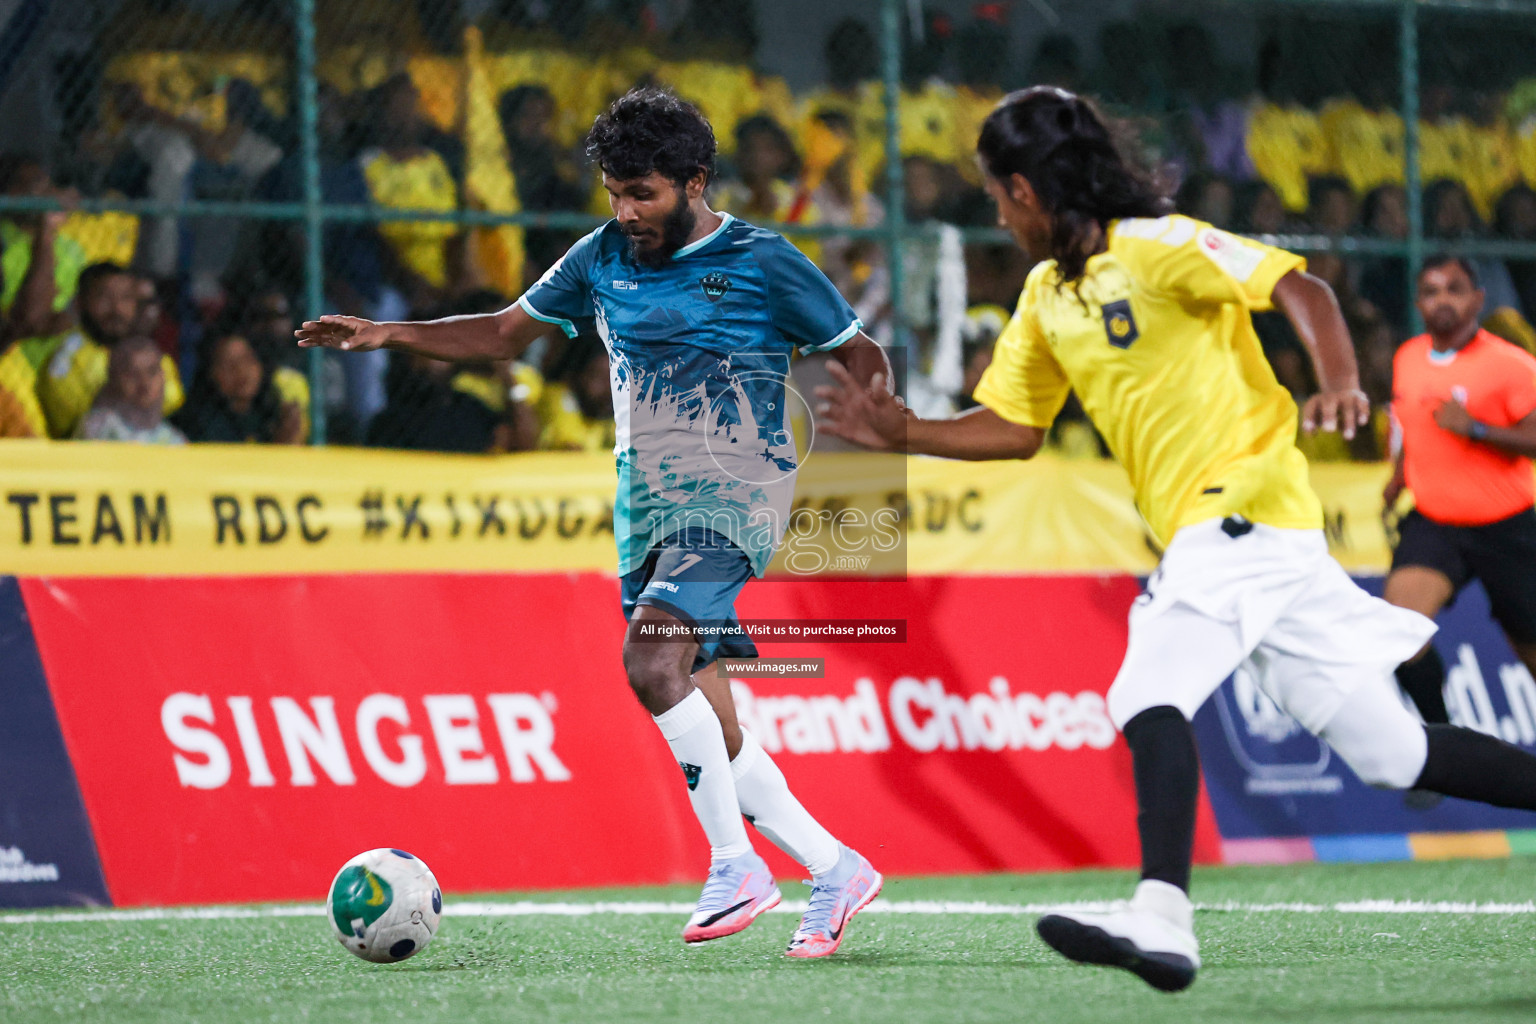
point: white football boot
(1153, 937)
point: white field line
(531, 908)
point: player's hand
(1453, 416)
(1340, 411)
(870, 417)
(348, 333)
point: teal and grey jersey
(699, 350)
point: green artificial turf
(1276, 966)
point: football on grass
(384, 905)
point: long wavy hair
(1072, 157)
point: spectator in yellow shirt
(39, 265)
(19, 416)
(266, 321)
(764, 190)
(575, 408)
(233, 399)
(403, 173)
(39, 272)
(853, 89)
(1366, 139)
(109, 312)
(843, 197)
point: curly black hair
(1069, 154)
(649, 129)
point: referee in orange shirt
(1465, 403)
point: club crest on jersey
(1119, 323)
(715, 285)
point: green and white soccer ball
(384, 905)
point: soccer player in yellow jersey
(1147, 316)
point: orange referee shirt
(1455, 480)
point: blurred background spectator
(1270, 121)
(110, 311)
(130, 405)
(233, 398)
(458, 407)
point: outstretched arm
(1313, 310)
(501, 335)
(873, 417)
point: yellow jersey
(1525, 150)
(76, 372)
(734, 197)
(864, 108)
(1158, 342)
(1287, 146)
(1366, 145)
(292, 388)
(1493, 167)
(563, 426)
(420, 182)
(20, 413)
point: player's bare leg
(1422, 677)
(842, 881)
(740, 886)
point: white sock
(1166, 901)
(693, 732)
(764, 797)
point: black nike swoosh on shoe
(724, 913)
(835, 933)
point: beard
(674, 235)
(1443, 320)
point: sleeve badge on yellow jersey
(1230, 253)
(1119, 323)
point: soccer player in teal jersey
(700, 313)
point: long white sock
(693, 732)
(765, 798)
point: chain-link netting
(173, 133)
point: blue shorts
(694, 575)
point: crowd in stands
(168, 330)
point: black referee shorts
(1501, 554)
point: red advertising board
(239, 738)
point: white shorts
(1272, 603)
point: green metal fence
(314, 214)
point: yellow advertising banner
(99, 509)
